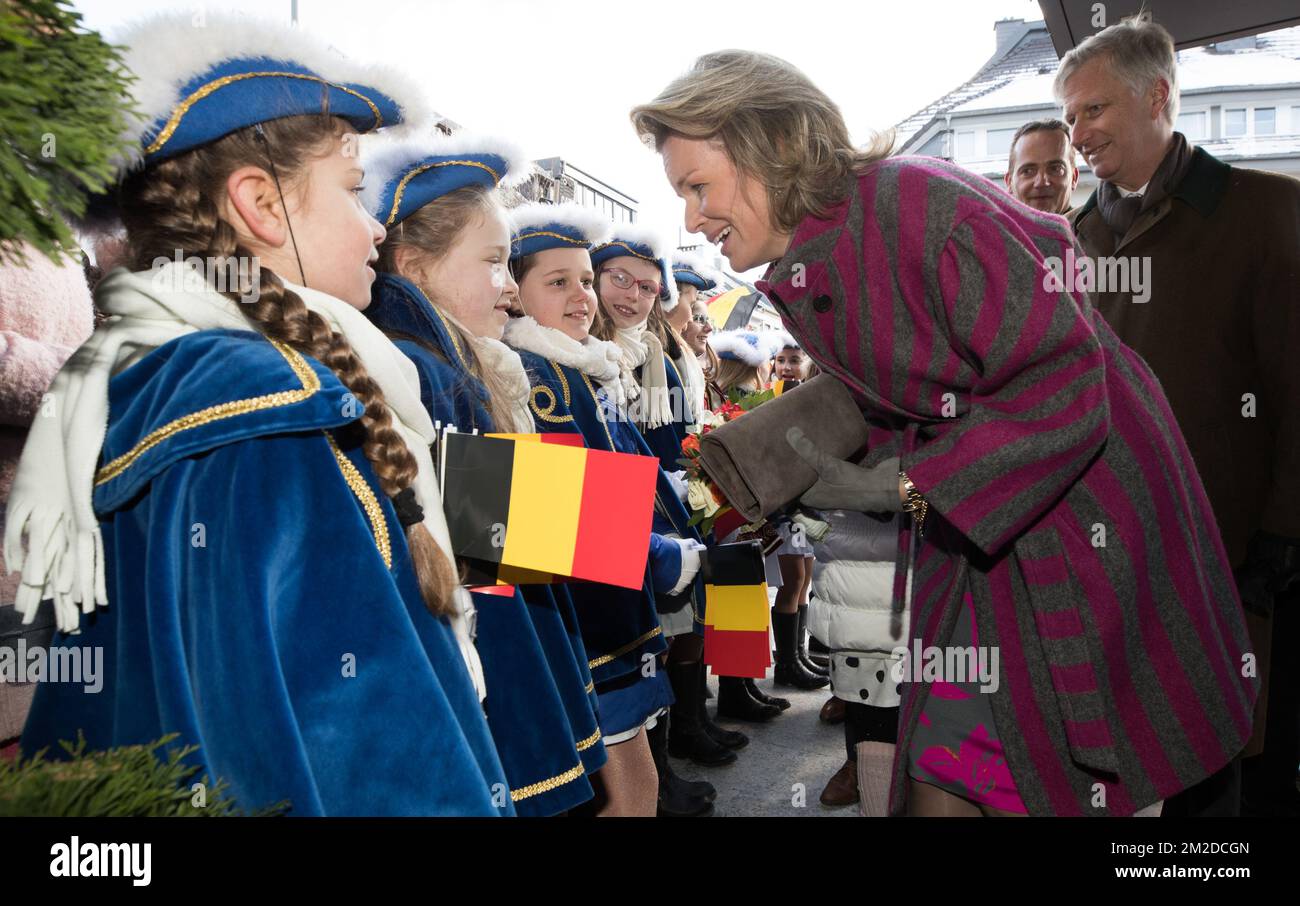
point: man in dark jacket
(1196, 264)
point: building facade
(1239, 99)
(556, 180)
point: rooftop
(1020, 72)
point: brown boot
(842, 788)
(833, 711)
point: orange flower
(691, 444)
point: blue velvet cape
(541, 702)
(254, 606)
(665, 441)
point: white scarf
(641, 347)
(52, 491)
(597, 359)
(688, 366)
(503, 361)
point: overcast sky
(560, 83)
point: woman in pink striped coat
(1059, 533)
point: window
(965, 145)
(1192, 125)
(1234, 121)
(1265, 120)
(999, 142)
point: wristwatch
(915, 504)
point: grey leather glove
(845, 486)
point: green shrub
(63, 110)
(129, 781)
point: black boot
(801, 651)
(789, 670)
(760, 696)
(678, 798)
(686, 735)
(734, 701)
(732, 739)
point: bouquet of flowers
(703, 498)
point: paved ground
(785, 766)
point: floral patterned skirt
(955, 745)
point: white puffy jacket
(850, 611)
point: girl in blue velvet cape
(633, 275)
(633, 281)
(450, 228)
(620, 626)
(263, 560)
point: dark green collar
(1205, 182)
(1202, 187)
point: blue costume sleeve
(665, 563)
(311, 672)
(253, 614)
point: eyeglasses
(647, 289)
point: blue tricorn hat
(539, 226)
(200, 80)
(402, 177)
(693, 270)
(632, 239)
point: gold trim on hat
(523, 236)
(401, 186)
(630, 250)
(179, 111)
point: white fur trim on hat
(734, 343)
(787, 341)
(590, 223)
(660, 244)
(167, 51)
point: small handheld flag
(736, 641)
(536, 510)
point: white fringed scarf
(688, 366)
(51, 500)
(504, 362)
(642, 349)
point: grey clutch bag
(756, 469)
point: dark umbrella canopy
(1191, 22)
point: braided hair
(172, 206)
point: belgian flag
(736, 641)
(537, 508)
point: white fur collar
(595, 358)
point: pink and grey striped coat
(1062, 495)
